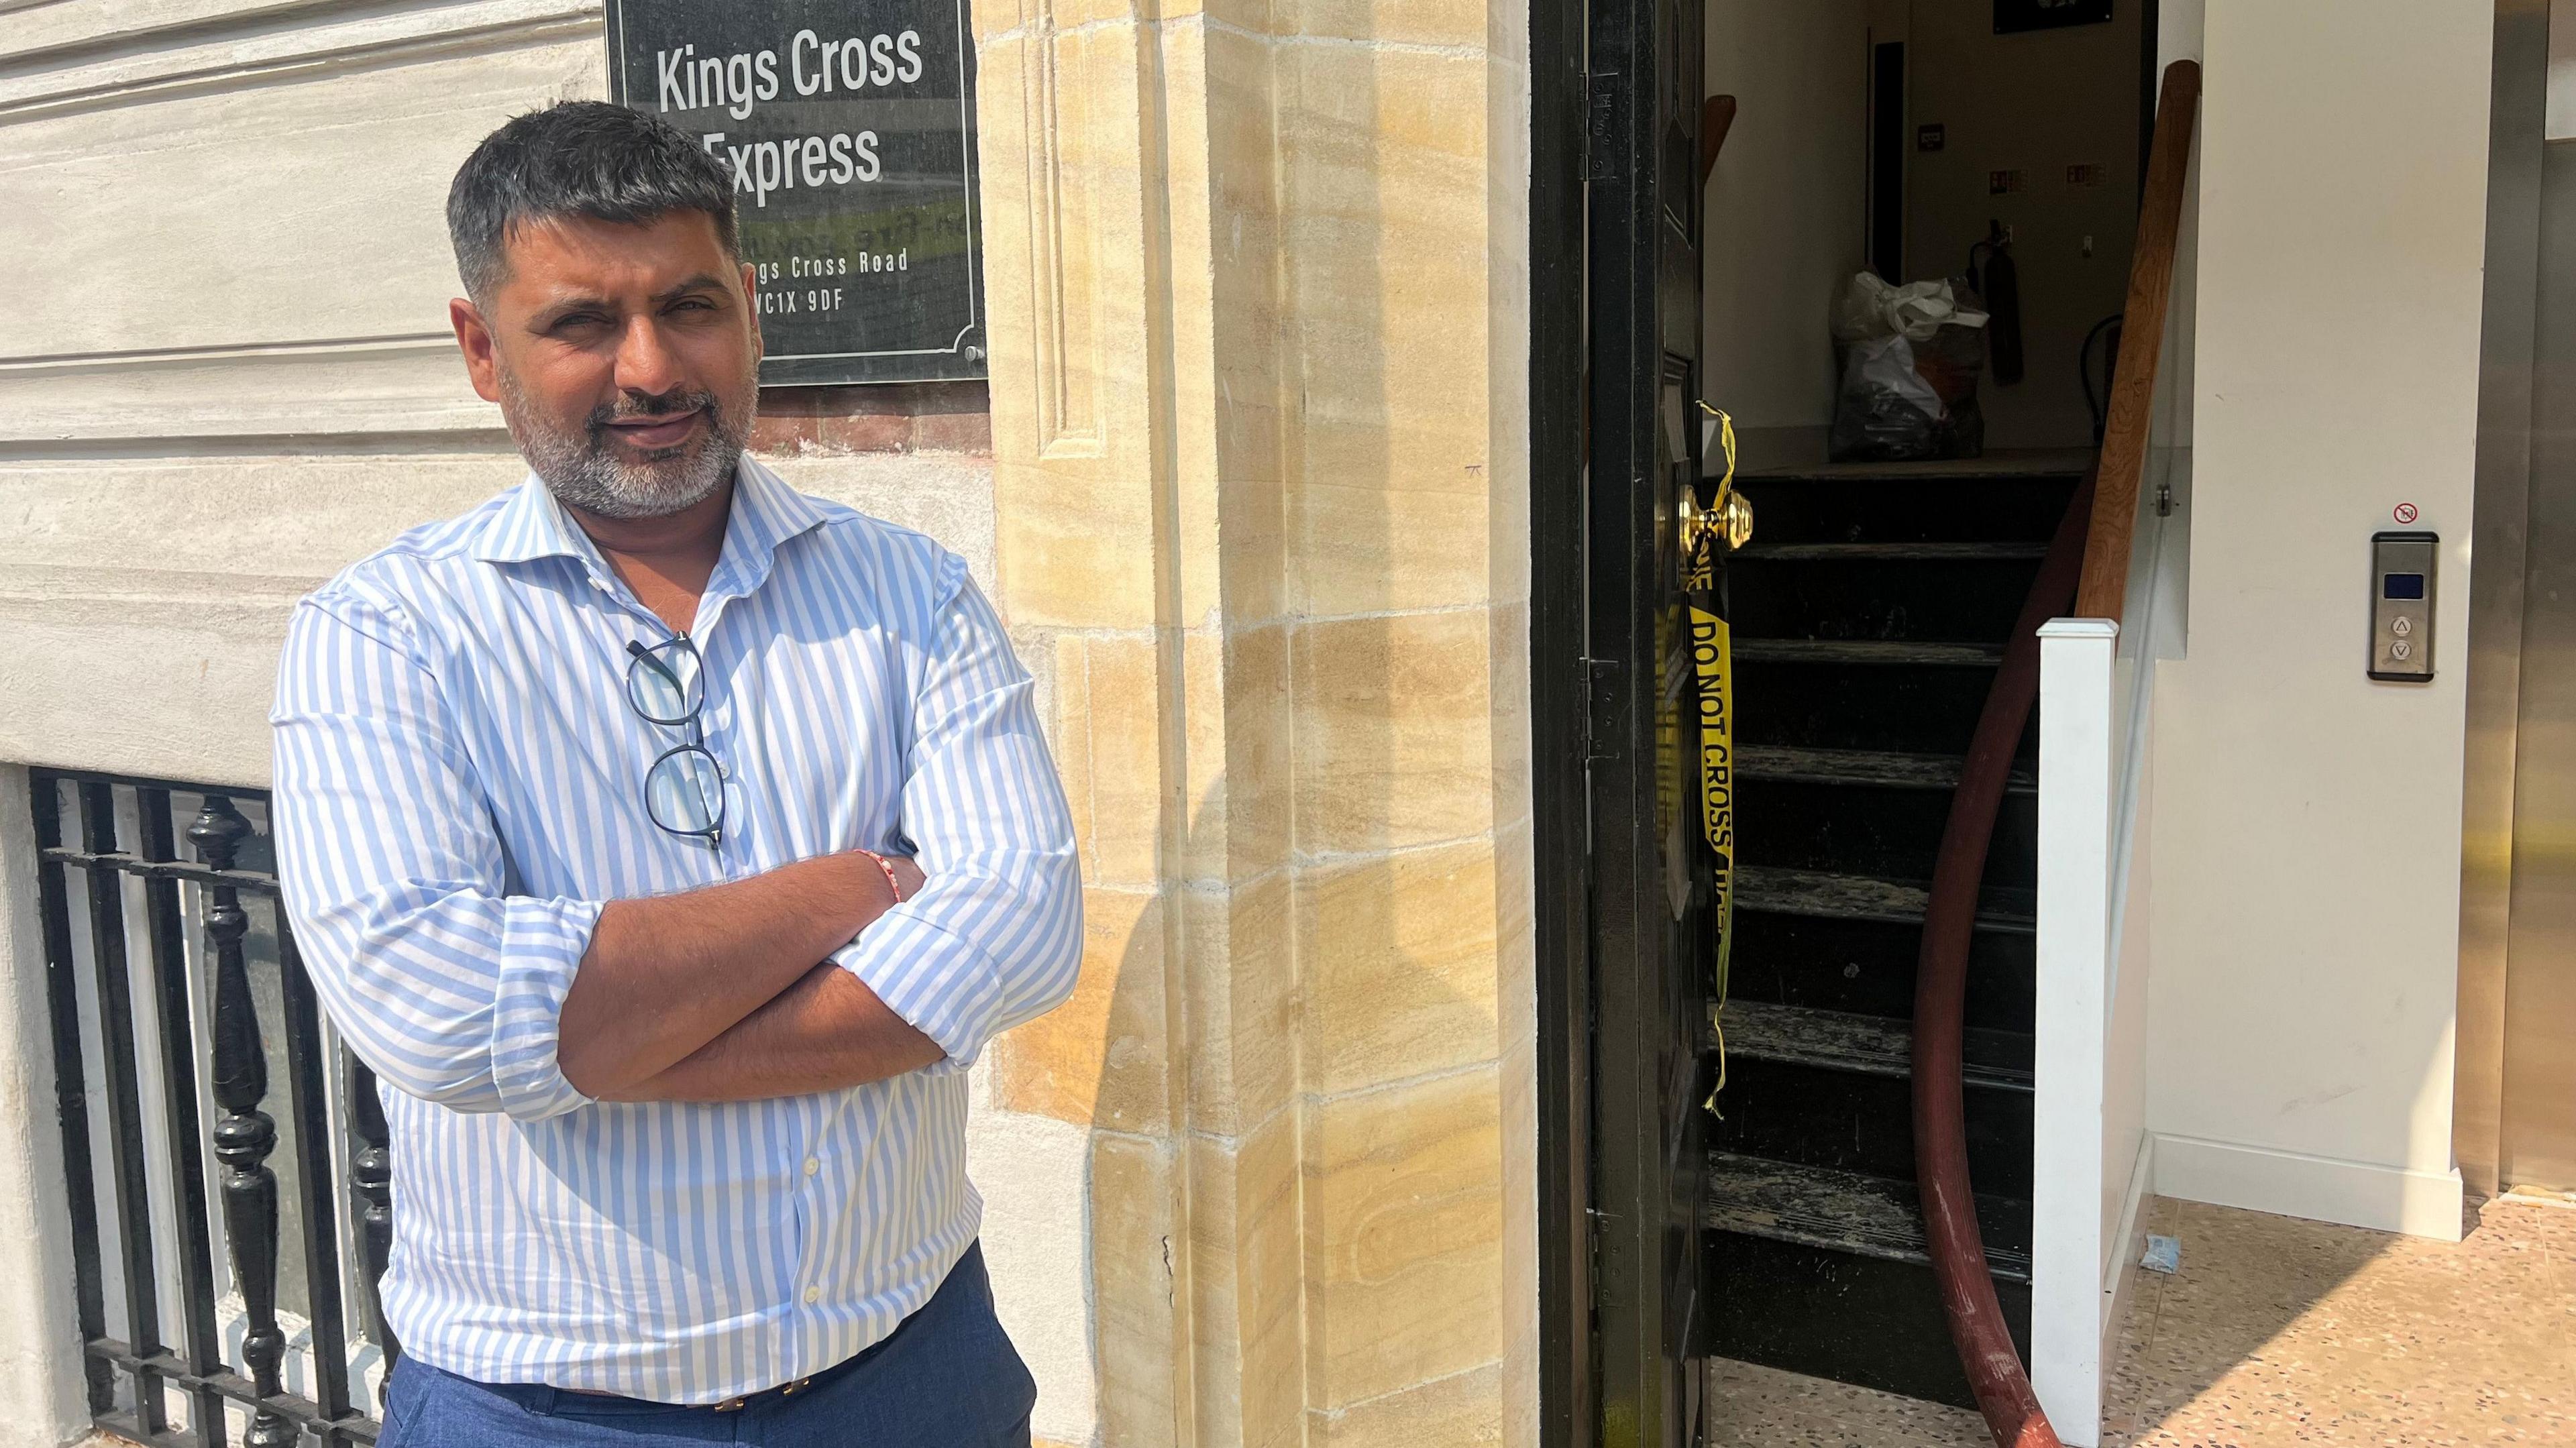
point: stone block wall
(1259, 302)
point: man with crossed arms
(669, 843)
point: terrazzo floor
(2277, 1332)
(1751, 1407)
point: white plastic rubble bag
(1891, 338)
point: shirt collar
(531, 524)
(766, 513)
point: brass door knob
(1731, 519)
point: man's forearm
(826, 1032)
(665, 976)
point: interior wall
(2036, 103)
(1788, 201)
(2307, 845)
(1785, 211)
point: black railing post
(371, 1181)
(317, 1206)
(71, 1090)
(245, 1135)
(106, 1141)
(126, 1171)
(175, 1004)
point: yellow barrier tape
(1712, 661)
(1711, 658)
(1726, 439)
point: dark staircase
(1868, 615)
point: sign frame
(2018, 17)
(964, 357)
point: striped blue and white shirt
(459, 791)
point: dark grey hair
(577, 158)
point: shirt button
(813, 1294)
(812, 1166)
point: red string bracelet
(892, 884)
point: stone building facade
(1247, 484)
(1251, 484)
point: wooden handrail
(2131, 414)
(2102, 512)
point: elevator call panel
(2401, 605)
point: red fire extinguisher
(1999, 282)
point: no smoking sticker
(2405, 513)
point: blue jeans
(947, 1378)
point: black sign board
(849, 131)
(2018, 15)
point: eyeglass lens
(664, 683)
(684, 788)
(684, 791)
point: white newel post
(2075, 802)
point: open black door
(1652, 941)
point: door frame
(1607, 928)
(1559, 828)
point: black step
(1991, 464)
(1874, 653)
(1868, 1045)
(1863, 897)
(1978, 552)
(1840, 508)
(1849, 1211)
(1878, 768)
(1823, 1115)
(1913, 699)
(1862, 829)
(1829, 1314)
(1867, 966)
(1825, 1273)
(1880, 590)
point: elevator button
(2402, 622)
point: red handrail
(2091, 549)
(1958, 1251)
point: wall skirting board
(2414, 1201)
(2128, 1245)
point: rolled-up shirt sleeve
(995, 936)
(394, 877)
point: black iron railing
(145, 1051)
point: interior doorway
(1727, 1163)
(1901, 136)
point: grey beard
(582, 473)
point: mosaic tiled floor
(2277, 1332)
